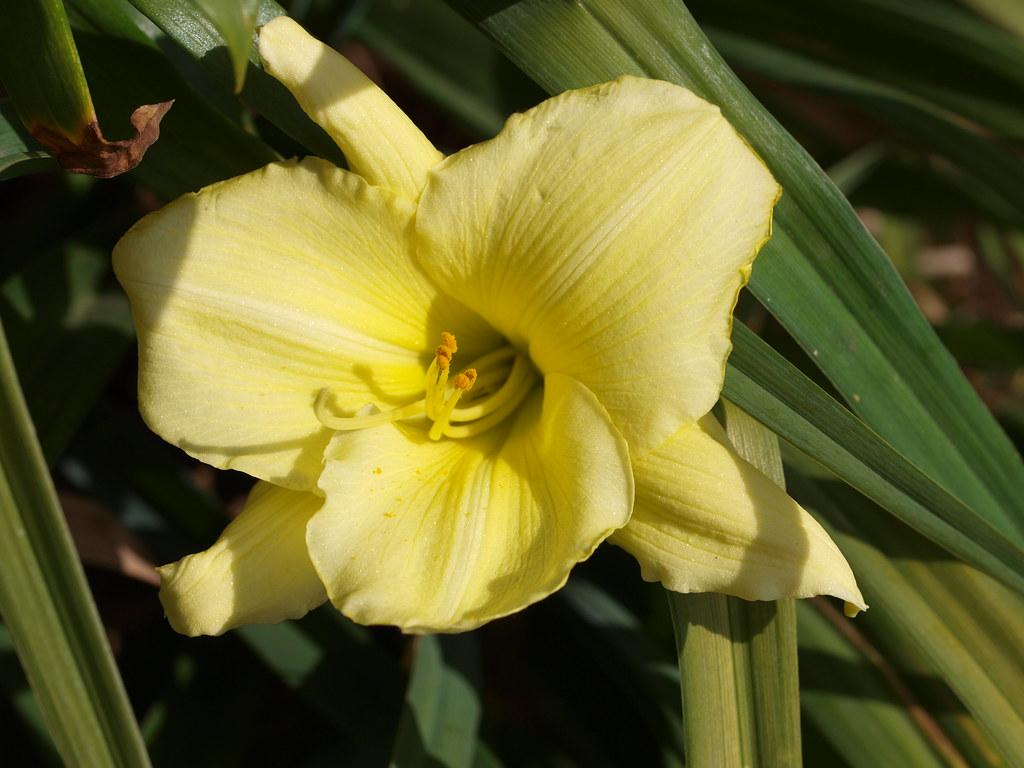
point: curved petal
(380, 143)
(257, 572)
(707, 521)
(610, 230)
(444, 536)
(255, 293)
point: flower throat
(489, 391)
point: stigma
(489, 391)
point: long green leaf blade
(772, 390)
(235, 20)
(47, 606)
(999, 169)
(773, 643)
(181, 21)
(738, 659)
(41, 71)
(850, 706)
(902, 609)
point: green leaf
(46, 603)
(235, 20)
(773, 391)
(182, 22)
(942, 612)
(920, 123)
(334, 666)
(18, 693)
(738, 678)
(448, 60)
(715, 686)
(198, 144)
(41, 71)
(738, 659)
(843, 695)
(927, 49)
(20, 154)
(1007, 13)
(773, 647)
(442, 707)
(876, 348)
(626, 653)
(68, 328)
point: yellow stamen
(465, 380)
(496, 408)
(437, 374)
(349, 423)
(516, 386)
(460, 385)
(505, 381)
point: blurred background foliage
(915, 108)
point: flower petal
(380, 143)
(444, 536)
(610, 230)
(707, 521)
(257, 572)
(252, 295)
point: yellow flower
(455, 377)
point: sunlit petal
(707, 521)
(380, 143)
(609, 230)
(252, 295)
(258, 571)
(444, 536)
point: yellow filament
(519, 381)
(461, 384)
(503, 367)
(489, 379)
(491, 359)
(349, 423)
(437, 373)
(508, 405)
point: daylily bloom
(455, 377)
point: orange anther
(448, 341)
(465, 380)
